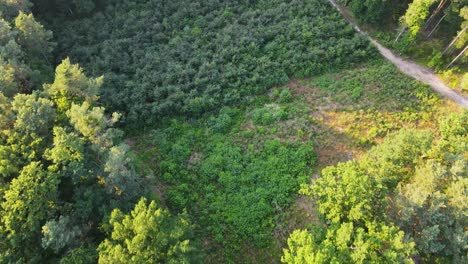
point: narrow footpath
(408, 67)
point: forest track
(409, 67)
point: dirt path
(410, 68)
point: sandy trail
(410, 68)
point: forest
(222, 131)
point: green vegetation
(62, 168)
(223, 132)
(134, 238)
(199, 55)
(231, 190)
(409, 183)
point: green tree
(431, 216)
(121, 179)
(35, 40)
(60, 234)
(346, 193)
(28, 202)
(15, 76)
(11, 8)
(71, 85)
(147, 235)
(395, 159)
(374, 11)
(93, 124)
(416, 15)
(84, 6)
(34, 117)
(346, 243)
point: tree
(353, 229)
(34, 114)
(85, 254)
(121, 179)
(346, 193)
(60, 234)
(93, 124)
(429, 215)
(15, 76)
(429, 205)
(147, 235)
(35, 40)
(11, 8)
(395, 159)
(71, 85)
(346, 243)
(301, 249)
(84, 6)
(67, 154)
(416, 15)
(374, 11)
(34, 117)
(28, 202)
(461, 38)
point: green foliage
(249, 187)
(147, 235)
(354, 230)
(284, 95)
(374, 11)
(59, 234)
(24, 53)
(416, 15)
(121, 177)
(64, 167)
(409, 188)
(200, 55)
(84, 6)
(231, 190)
(393, 160)
(93, 124)
(28, 202)
(346, 194)
(224, 121)
(11, 8)
(32, 36)
(61, 174)
(429, 208)
(427, 211)
(345, 243)
(71, 85)
(269, 114)
(382, 84)
(454, 125)
(85, 254)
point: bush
(285, 96)
(223, 122)
(268, 115)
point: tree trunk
(435, 13)
(456, 58)
(403, 29)
(436, 26)
(454, 40)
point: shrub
(268, 114)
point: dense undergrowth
(188, 57)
